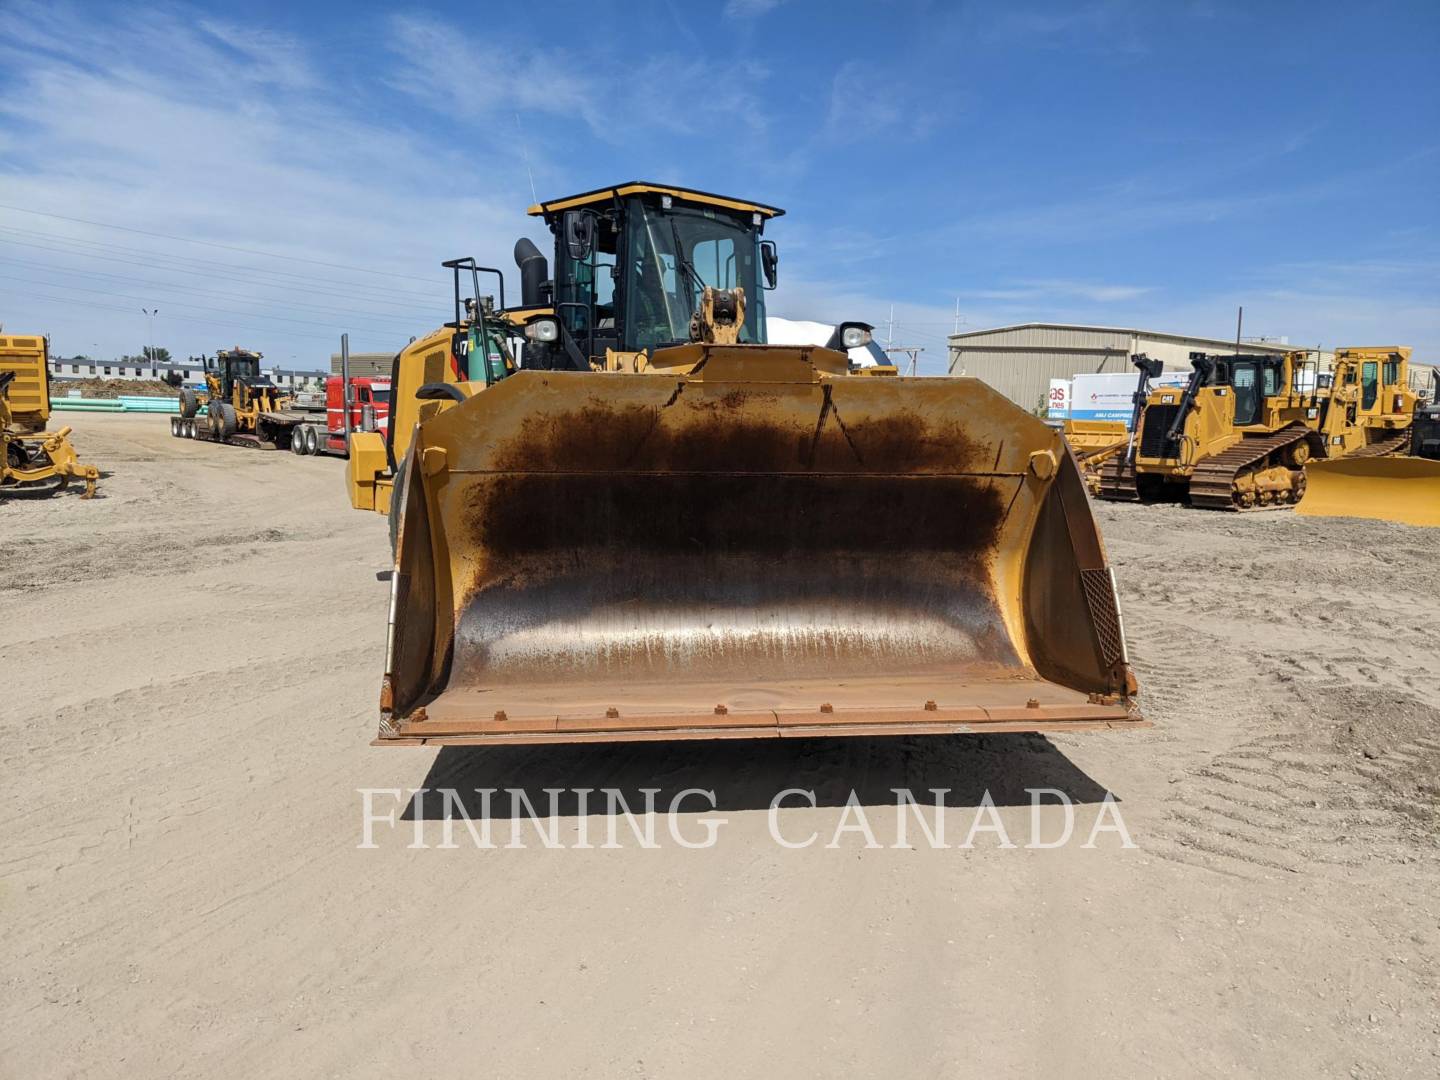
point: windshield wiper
(681, 261)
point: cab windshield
(673, 255)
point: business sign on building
(1057, 404)
(1102, 397)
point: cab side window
(1369, 384)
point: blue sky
(1140, 164)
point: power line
(194, 307)
(163, 286)
(70, 304)
(211, 243)
(186, 264)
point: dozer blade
(752, 548)
(1404, 489)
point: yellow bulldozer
(1402, 486)
(34, 461)
(1238, 436)
(1096, 443)
(654, 525)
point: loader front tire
(189, 403)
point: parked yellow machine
(243, 405)
(1402, 487)
(34, 461)
(1240, 433)
(657, 526)
(1367, 408)
(1096, 443)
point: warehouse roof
(1261, 346)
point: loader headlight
(855, 336)
(543, 328)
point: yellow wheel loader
(1390, 488)
(34, 461)
(657, 526)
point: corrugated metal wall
(366, 364)
(1020, 361)
(1024, 377)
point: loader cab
(631, 263)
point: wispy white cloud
(866, 102)
(677, 93)
(1053, 289)
(1101, 25)
(749, 9)
(275, 160)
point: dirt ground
(190, 668)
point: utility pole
(890, 333)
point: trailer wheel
(297, 440)
(174, 427)
(312, 440)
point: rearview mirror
(578, 227)
(769, 261)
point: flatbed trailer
(303, 431)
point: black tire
(297, 440)
(225, 423)
(189, 402)
(175, 422)
(394, 516)
(312, 440)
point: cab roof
(548, 210)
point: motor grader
(34, 461)
(655, 525)
(243, 406)
(1402, 486)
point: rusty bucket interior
(749, 546)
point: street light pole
(150, 333)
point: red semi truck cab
(365, 391)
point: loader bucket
(1404, 489)
(752, 546)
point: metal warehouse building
(371, 365)
(1020, 361)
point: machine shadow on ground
(748, 774)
